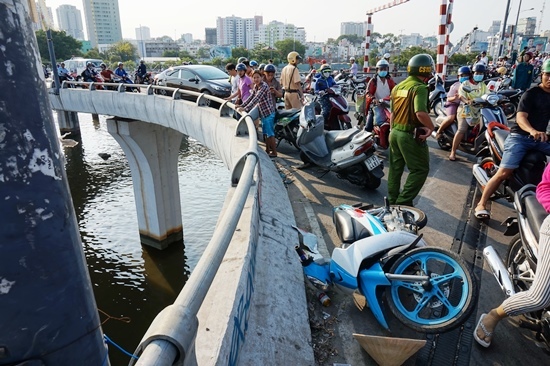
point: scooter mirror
(466, 88)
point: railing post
(48, 314)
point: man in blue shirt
(122, 73)
(523, 73)
(324, 82)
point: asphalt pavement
(447, 198)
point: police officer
(291, 81)
(410, 127)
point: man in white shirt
(484, 58)
(353, 67)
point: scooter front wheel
(439, 304)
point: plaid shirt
(261, 96)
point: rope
(124, 319)
(109, 340)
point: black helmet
(479, 68)
(464, 70)
(270, 68)
(421, 65)
(103, 66)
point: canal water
(133, 283)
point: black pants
(326, 106)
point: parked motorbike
(529, 171)
(474, 139)
(338, 118)
(349, 153)
(437, 96)
(351, 85)
(287, 123)
(517, 272)
(428, 289)
(510, 105)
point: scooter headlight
(492, 99)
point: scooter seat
(500, 136)
(286, 112)
(335, 139)
(348, 229)
(535, 214)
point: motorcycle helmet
(421, 65)
(270, 68)
(103, 66)
(241, 60)
(253, 63)
(262, 67)
(293, 58)
(89, 64)
(387, 55)
(479, 68)
(382, 63)
(464, 70)
(120, 64)
(325, 70)
(352, 59)
(545, 66)
(141, 61)
(241, 67)
(502, 70)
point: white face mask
(326, 74)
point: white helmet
(352, 59)
(387, 55)
(381, 63)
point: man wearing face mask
(411, 125)
(466, 113)
(324, 82)
(379, 87)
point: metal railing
(171, 336)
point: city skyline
(470, 13)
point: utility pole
(49, 315)
(501, 40)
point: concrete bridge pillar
(152, 152)
(68, 122)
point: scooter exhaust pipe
(499, 270)
(480, 175)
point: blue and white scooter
(428, 289)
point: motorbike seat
(286, 112)
(338, 138)
(509, 92)
(500, 136)
(348, 229)
(535, 214)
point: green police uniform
(408, 97)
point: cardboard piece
(388, 351)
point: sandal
(482, 214)
(487, 334)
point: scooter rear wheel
(439, 304)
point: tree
(122, 51)
(463, 59)
(352, 38)
(203, 52)
(64, 45)
(406, 54)
(93, 53)
(239, 52)
(286, 46)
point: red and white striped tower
(367, 44)
(442, 31)
(448, 29)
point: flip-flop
(482, 214)
(487, 333)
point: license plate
(373, 162)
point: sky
(176, 17)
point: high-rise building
(275, 31)
(44, 15)
(187, 37)
(495, 27)
(102, 22)
(143, 33)
(527, 26)
(69, 20)
(239, 32)
(356, 28)
(210, 35)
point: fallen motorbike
(338, 118)
(474, 139)
(437, 96)
(287, 123)
(428, 289)
(529, 171)
(349, 153)
(517, 272)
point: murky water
(132, 283)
